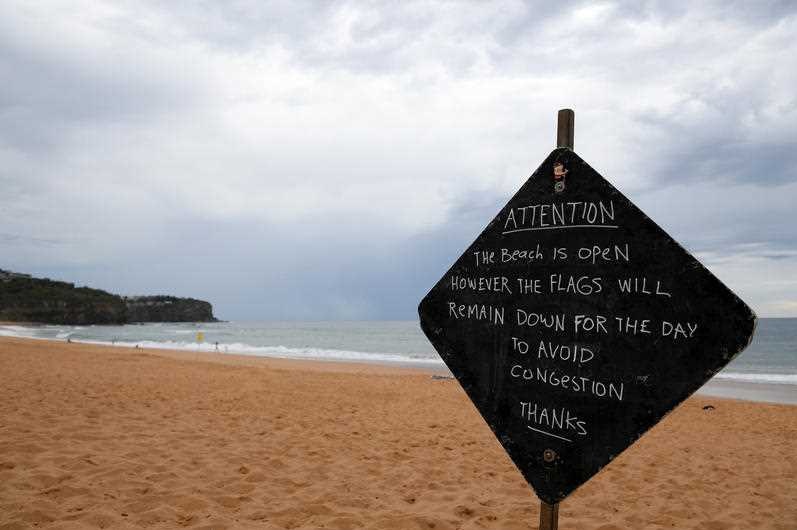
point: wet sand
(99, 437)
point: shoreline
(758, 392)
(239, 359)
(432, 365)
(780, 393)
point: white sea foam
(282, 352)
(782, 379)
(16, 331)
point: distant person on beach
(217, 345)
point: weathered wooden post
(549, 516)
(565, 128)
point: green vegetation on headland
(168, 309)
(45, 301)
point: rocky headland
(24, 298)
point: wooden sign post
(549, 516)
(565, 136)
(575, 323)
(565, 128)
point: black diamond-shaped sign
(574, 323)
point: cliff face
(168, 309)
(26, 299)
(50, 302)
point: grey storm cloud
(330, 160)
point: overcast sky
(330, 160)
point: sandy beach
(99, 437)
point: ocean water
(383, 342)
(770, 359)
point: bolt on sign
(575, 324)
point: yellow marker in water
(200, 337)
